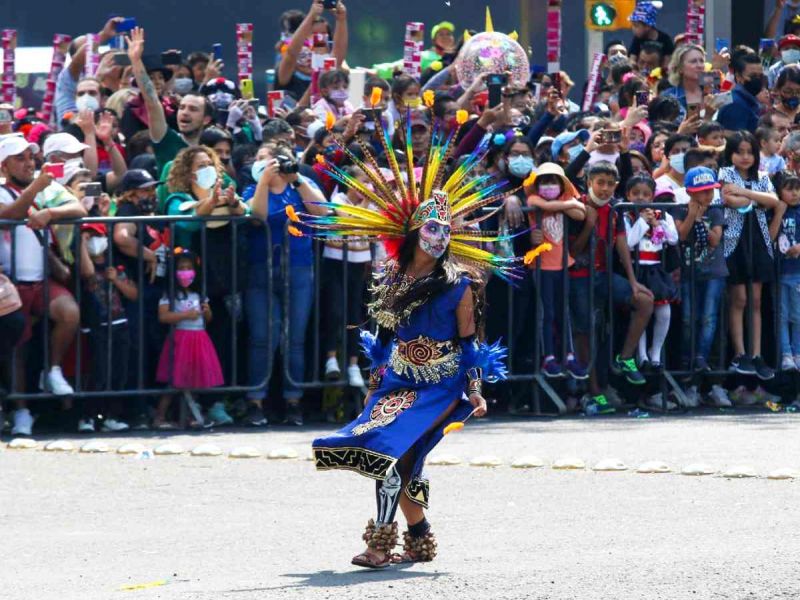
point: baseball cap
(13, 144)
(699, 179)
(567, 137)
(62, 142)
(71, 170)
(544, 140)
(788, 40)
(136, 179)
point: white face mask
(182, 85)
(96, 245)
(258, 169)
(676, 162)
(87, 102)
(206, 177)
(88, 202)
(791, 56)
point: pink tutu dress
(194, 363)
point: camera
(287, 165)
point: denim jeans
(790, 314)
(707, 295)
(263, 305)
(551, 291)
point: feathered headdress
(399, 211)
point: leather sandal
(371, 561)
(380, 538)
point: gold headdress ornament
(402, 209)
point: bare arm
(687, 224)
(78, 62)
(465, 314)
(118, 166)
(128, 244)
(303, 32)
(85, 121)
(311, 196)
(715, 236)
(775, 223)
(155, 111)
(20, 207)
(340, 35)
(774, 19)
(125, 286)
(169, 317)
(87, 267)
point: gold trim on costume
(418, 491)
(425, 360)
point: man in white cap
(42, 201)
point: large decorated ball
(492, 52)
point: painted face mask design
(304, 57)
(434, 238)
(185, 277)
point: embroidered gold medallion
(386, 410)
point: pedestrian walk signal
(609, 15)
(603, 15)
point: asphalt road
(182, 527)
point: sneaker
(743, 365)
(762, 395)
(763, 372)
(701, 365)
(692, 397)
(787, 363)
(655, 402)
(195, 411)
(354, 377)
(255, 416)
(23, 422)
(718, 397)
(332, 370)
(218, 415)
(294, 413)
(86, 426)
(55, 383)
(773, 406)
(575, 369)
(552, 368)
(741, 396)
(627, 366)
(114, 425)
(596, 405)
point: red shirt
(601, 231)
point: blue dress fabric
(423, 377)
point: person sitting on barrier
(333, 281)
(278, 185)
(103, 312)
(748, 196)
(602, 222)
(650, 230)
(188, 360)
(556, 198)
(42, 201)
(787, 185)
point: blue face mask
(574, 152)
(637, 146)
(520, 166)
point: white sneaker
(655, 403)
(718, 397)
(332, 370)
(787, 363)
(86, 426)
(23, 422)
(111, 425)
(354, 377)
(55, 383)
(692, 397)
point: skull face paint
(434, 238)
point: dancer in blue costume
(427, 365)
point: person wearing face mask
(294, 70)
(744, 111)
(277, 189)
(405, 95)
(244, 123)
(568, 146)
(194, 186)
(135, 198)
(182, 80)
(557, 200)
(105, 290)
(333, 87)
(787, 99)
(221, 142)
(789, 47)
(675, 149)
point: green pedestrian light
(603, 15)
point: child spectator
(554, 196)
(748, 196)
(104, 288)
(649, 230)
(699, 225)
(601, 222)
(675, 149)
(769, 142)
(359, 258)
(333, 86)
(787, 185)
(711, 134)
(188, 359)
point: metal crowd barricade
(112, 254)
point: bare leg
(642, 311)
(738, 301)
(756, 309)
(66, 318)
